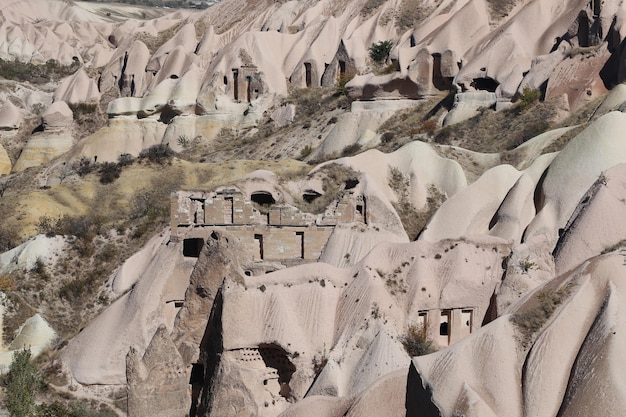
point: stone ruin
(268, 232)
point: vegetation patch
(24, 382)
(491, 131)
(413, 220)
(379, 51)
(531, 321)
(416, 341)
(159, 154)
(52, 70)
(334, 179)
(412, 12)
(88, 117)
(370, 7)
(406, 124)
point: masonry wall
(283, 233)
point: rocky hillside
(315, 208)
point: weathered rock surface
(5, 161)
(157, 381)
(10, 117)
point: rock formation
(306, 295)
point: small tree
(416, 341)
(379, 52)
(22, 382)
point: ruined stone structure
(341, 66)
(245, 83)
(446, 326)
(275, 233)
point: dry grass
(582, 118)
(370, 7)
(407, 124)
(492, 131)
(334, 179)
(155, 42)
(315, 108)
(499, 9)
(413, 220)
(416, 341)
(530, 321)
(410, 13)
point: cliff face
(321, 293)
(196, 72)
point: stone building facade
(273, 233)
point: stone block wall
(284, 233)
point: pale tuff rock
(57, 116)
(44, 147)
(25, 255)
(5, 161)
(595, 149)
(96, 355)
(467, 105)
(220, 302)
(10, 117)
(593, 228)
(579, 78)
(284, 115)
(157, 382)
(77, 88)
(34, 334)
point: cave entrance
(309, 196)
(236, 84)
(440, 82)
(485, 84)
(192, 247)
(276, 357)
(342, 68)
(583, 30)
(307, 70)
(263, 198)
(196, 381)
(467, 321)
(229, 210)
(300, 240)
(444, 328)
(258, 241)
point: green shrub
(532, 320)
(109, 172)
(22, 382)
(125, 159)
(306, 151)
(416, 341)
(159, 154)
(528, 98)
(341, 83)
(351, 149)
(57, 409)
(379, 51)
(9, 237)
(36, 74)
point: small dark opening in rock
(485, 84)
(276, 357)
(192, 247)
(197, 374)
(263, 198)
(309, 196)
